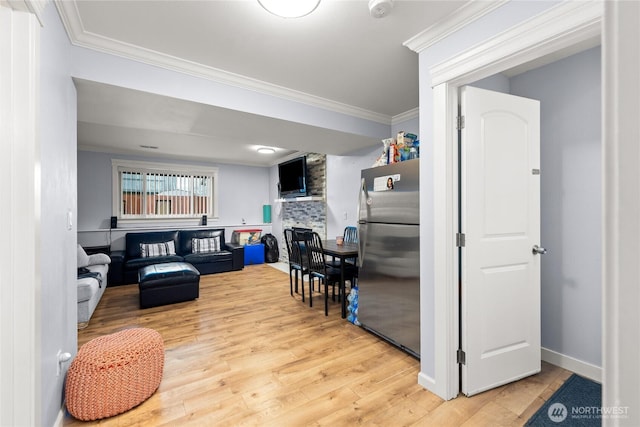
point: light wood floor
(247, 353)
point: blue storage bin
(254, 254)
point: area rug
(578, 402)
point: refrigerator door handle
(363, 191)
(362, 222)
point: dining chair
(297, 262)
(351, 236)
(318, 269)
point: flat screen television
(293, 177)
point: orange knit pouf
(114, 373)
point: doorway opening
(576, 25)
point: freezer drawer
(389, 283)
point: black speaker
(114, 222)
(204, 220)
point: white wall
(571, 201)
(343, 180)
(58, 243)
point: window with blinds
(149, 190)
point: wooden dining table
(342, 252)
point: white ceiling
(339, 55)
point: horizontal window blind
(149, 193)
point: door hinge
(460, 122)
(460, 240)
(461, 357)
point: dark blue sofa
(125, 264)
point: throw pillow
(83, 258)
(157, 249)
(208, 244)
(97, 259)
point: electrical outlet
(345, 215)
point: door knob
(538, 250)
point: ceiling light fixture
(380, 8)
(290, 8)
(266, 150)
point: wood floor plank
(247, 353)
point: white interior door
(500, 220)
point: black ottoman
(168, 283)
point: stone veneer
(309, 214)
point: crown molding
(407, 115)
(459, 18)
(80, 37)
(558, 27)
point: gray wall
(571, 200)
(569, 92)
(242, 192)
(58, 244)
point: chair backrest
(288, 239)
(315, 254)
(302, 230)
(293, 247)
(350, 234)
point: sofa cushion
(208, 244)
(135, 264)
(157, 249)
(208, 257)
(83, 258)
(97, 259)
(87, 287)
(185, 241)
(133, 240)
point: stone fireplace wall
(312, 213)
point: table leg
(343, 304)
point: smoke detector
(380, 8)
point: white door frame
(621, 228)
(561, 27)
(20, 361)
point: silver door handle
(538, 250)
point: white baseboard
(584, 369)
(59, 419)
(429, 383)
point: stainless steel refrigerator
(389, 254)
